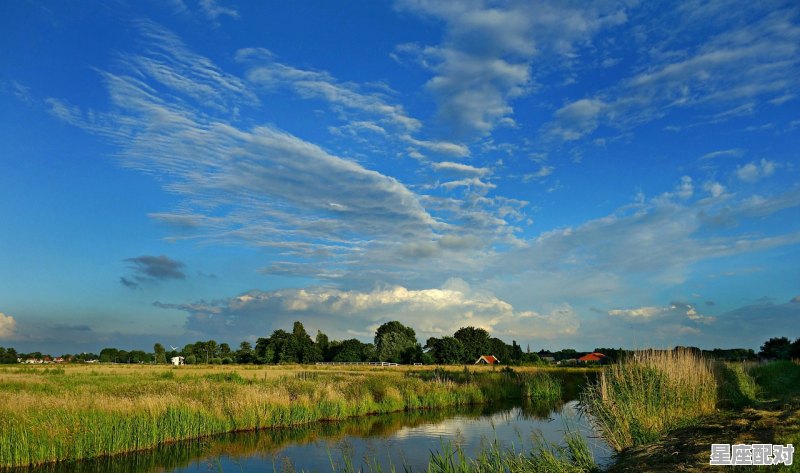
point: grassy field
(79, 411)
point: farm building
(592, 358)
(487, 359)
(177, 360)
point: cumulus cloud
(753, 324)
(8, 326)
(654, 242)
(431, 312)
(484, 61)
(754, 171)
(675, 310)
(714, 188)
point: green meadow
(78, 412)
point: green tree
(776, 348)
(396, 343)
(396, 347)
(446, 350)
(476, 342)
(516, 355)
(794, 350)
(324, 346)
(212, 350)
(500, 350)
(245, 353)
(351, 350)
(110, 355)
(8, 355)
(160, 353)
(306, 350)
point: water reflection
(371, 443)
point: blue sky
(563, 174)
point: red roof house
(592, 358)
(488, 359)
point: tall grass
(540, 387)
(736, 388)
(76, 414)
(573, 457)
(643, 397)
(778, 380)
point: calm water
(370, 443)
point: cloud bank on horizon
(561, 174)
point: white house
(177, 360)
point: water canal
(373, 443)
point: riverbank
(71, 413)
(768, 415)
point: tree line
(393, 342)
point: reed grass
(572, 457)
(72, 414)
(645, 396)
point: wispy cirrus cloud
(363, 108)
(171, 117)
(266, 72)
(749, 60)
(214, 10)
(459, 168)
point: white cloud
(676, 311)
(258, 184)
(472, 183)
(723, 153)
(443, 147)
(577, 119)
(685, 188)
(754, 171)
(654, 242)
(749, 58)
(266, 72)
(460, 168)
(714, 188)
(484, 62)
(543, 171)
(213, 10)
(8, 326)
(431, 312)
(643, 313)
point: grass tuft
(645, 396)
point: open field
(50, 413)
